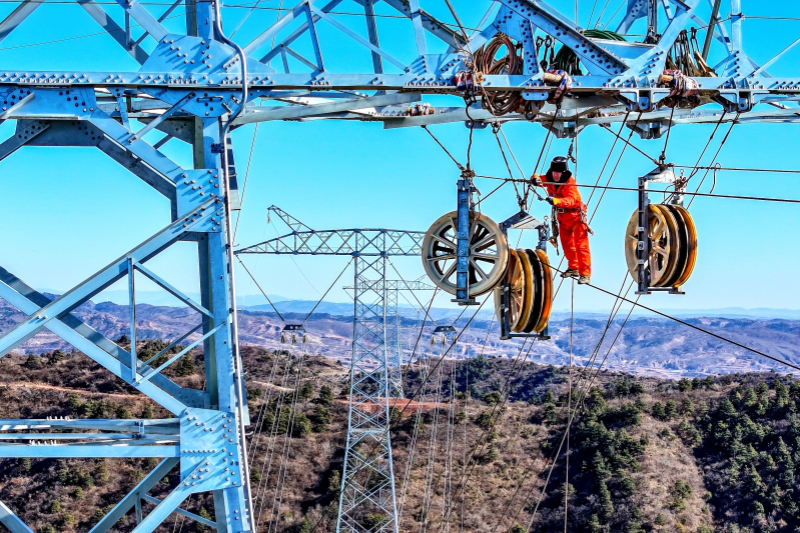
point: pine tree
(33, 362)
(605, 504)
(671, 410)
(305, 392)
(687, 407)
(325, 395)
(185, 366)
(307, 526)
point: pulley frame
(661, 174)
(521, 220)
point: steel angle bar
(173, 400)
(119, 134)
(148, 375)
(162, 117)
(594, 56)
(78, 436)
(15, 18)
(145, 19)
(295, 112)
(312, 32)
(114, 30)
(18, 140)
(300, 58)
(172, 290)
(52, 451)
(9, 519)
(273, 30)
(174, 343)
(419, 31)
(109, 275)
(13, 109)
(171, 427)
(138, 492)
(187, 514)
(163, 16)
(353, 35)
(95, 345)
(434, 26)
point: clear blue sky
(68, 212)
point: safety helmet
(558, 164)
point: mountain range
(647, 345)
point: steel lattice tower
(368, 479)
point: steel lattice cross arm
(353, 242)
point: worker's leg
(567, 228)
(583, 254)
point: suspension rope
(419, 335)
(570, 420)
(702, 194)
(711, 137)
(582, 392)
(429, 132)
(713, 159)
(260, 289)
(287, 448)
(569, 403)
(327, 291)
(480, 443)
(702, 330)
(246, 176)
(663, 157)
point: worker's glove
(536, 180)
(552, 201)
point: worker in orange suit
(563, 195)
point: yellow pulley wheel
(515, 281)
(672, 238)
(692, 245)
(537, 270)
(681, 252)
(547, 292)
(658, 256)
(529, 292)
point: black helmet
(558, 164)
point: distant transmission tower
(368, 479)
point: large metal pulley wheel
(673, 245)
(529, 283)
(488, 253)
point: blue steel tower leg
(368, 489)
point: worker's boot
(583, 280)
(569, 273)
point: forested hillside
(472, 453)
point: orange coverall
(574, 237)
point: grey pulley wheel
(488, 253)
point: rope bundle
(487, 62)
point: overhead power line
(709, 195)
